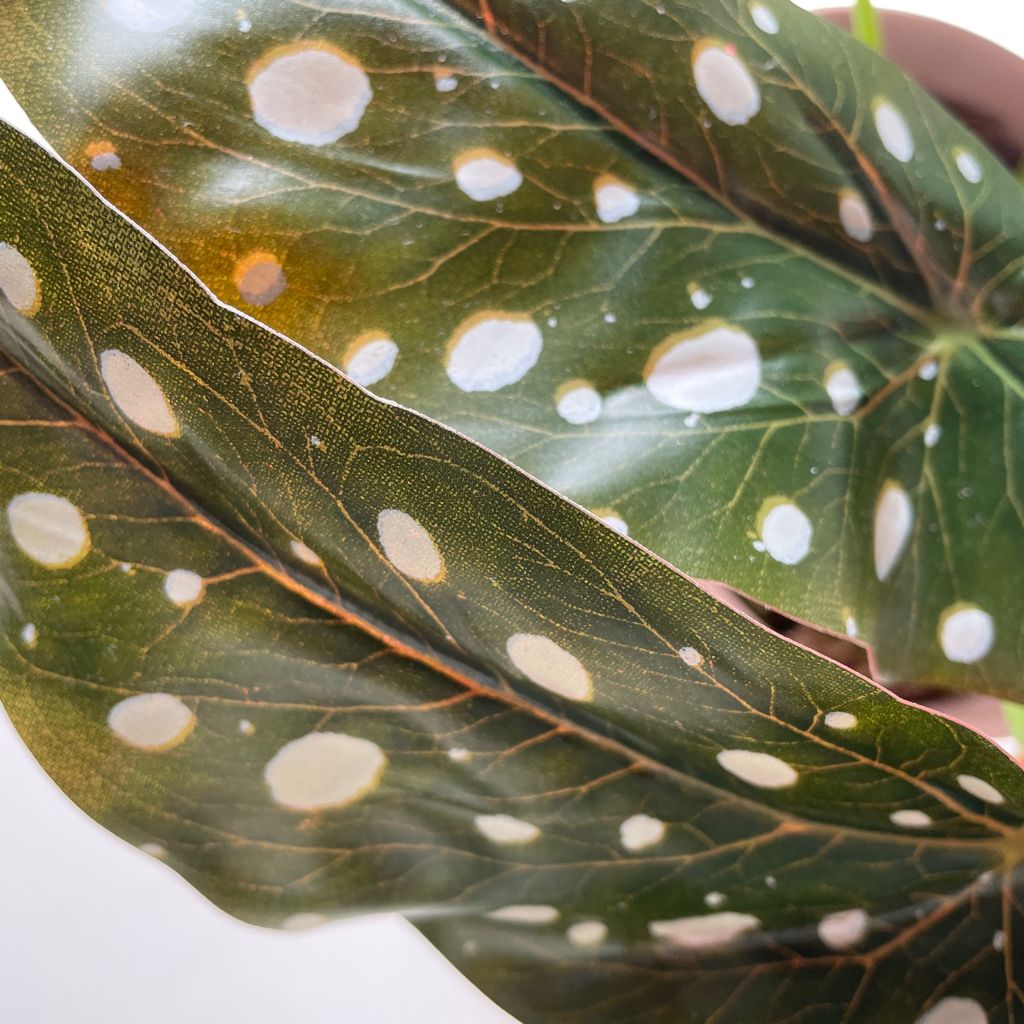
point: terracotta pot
(977, 80)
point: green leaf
(866, 25)
(323, 655)
(851, 255)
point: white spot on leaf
(370, 358)
(762, 770)
(308, 92)
(699, 298)
(579, 403)
(183, 587)
(764, 18)
(786, 532)
(966, 633)
(969, 166)
(980, 788)
(259, 278)
(18, 280)
(616, 522)
(484, 174)
(153, 850)
(445, 83)
(714, 900)
(894, 521)
(491, 351)
(136, 393)
(614, 200)
(910, 819)
(932, 435)
(151, 721)
(324, 769)
(525, 913)
(691, 656)
(48, 529)
(640, 832)
(550, 666)
(724, 83)
(841, 720)
(587, 934)
(954, 1010)
(305, 554)
(843, 388)
(409, 547)
(855, 216)
(929, 370)
(705, 370)
(29, 634)
(844, 929)
(504, 830)
(893, 131)
(708, 931)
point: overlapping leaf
(323, 655)
(801, 200)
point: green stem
(1014, 715)
(866, 26)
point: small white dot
(929, 370)
(245, 727)
(29, 634)
(587, 934)
(504, 830)
(305, 554)
(724, 83)
(841, 720)
(747, 282)
(932, 435)
(183, 587)
(550, 666)
(151, 721)
(844, 929)
(691, 656)
(844, 389)
(610, 318)
(18, 280)
(764, 18)
(484, 174)
(757, 769)
(855, 216)
(910, 819)
(579, 403)
(154, 850)
(894, 524)
(893, 131)
(641, 832)
(714, 900)
(446, 83)
(615, 200)
(700, 298)
(525, 913)
(966, 633)
(370, 358)
(710, 931)
(617, 523)
(460, 755)
(786, 532)
(969, 166)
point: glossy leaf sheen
(609, 179)
(323, 655)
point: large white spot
(910, 819)
(786, 533)
(259, 278)
(149, 15)
(29, 634)
(151, 721)
(843, 388)
(894, 520)
(966, 633)
(615, 200)
(579, 403)
(932, 435)
(969, 166)
(763, 770)
(324, 769)
(409, 547)
(640, 832)
(306, 554)
(587, 934)
(492, 351)
(370, 359)
(855, 216)
(954, 1010)
(137, 394)
(708, 931)
(764, 18)
(504, 830)
(309, 93)
(484, 174)
(48, 528)
(547, 664)
(844, 929)
(841, 720)
(691, 656)
(18, 280)
(894, 131)
(705, 371)
(724, 83)
(183, 587)
(525, 913)
(980, 788)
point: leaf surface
(714, 271)
(323, 655)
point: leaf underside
(226, 654)
(868, 246)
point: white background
(92, 931)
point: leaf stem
(866, 25)
(1014, 715)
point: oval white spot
(980, 788)
(894, 521)
(587, 934)
(929, 370)
(641, 832)
(762, 770)
(724, 83)
(841, 720)
(324, 769)
(183, 587)
(894, 131)
(137, 394)
(525, 913)
(969, 166)
(445, 83)
(705, 371)
(550, 666)
(614, 200)
(843, 388)
(151, 721)
(460, 755)
(691, 656)
(484, 174)
(954, 1010)
(304, 922)
(699, 297)
(29, 634)
(305, 554)
(259, 278)
(932, 435)
(617, 523)
(309, 93)
(18, 280)
(409, 547)
(708, 931)
(103, 156)
(579, 403)
(245, 727)
(786, 533)
(491, 351)
(764, 18)
(966, 633)
(910, 819)
(855, 216)
(370, 358)
(714, 900)
(149, 15)
(154, 850)
(844, 929)
(504, 830)
(48, 529)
